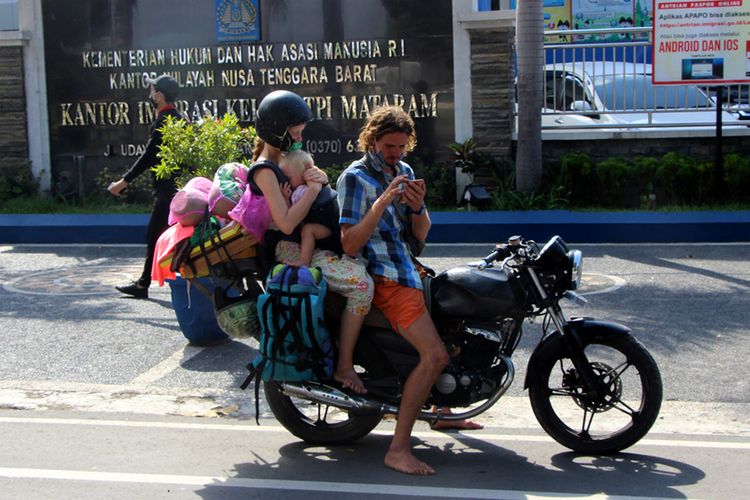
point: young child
(321, 229)
(317, 225)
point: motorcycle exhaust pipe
(327, 395)
(331, 396)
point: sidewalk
(511, 412)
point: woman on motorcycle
(280, 119)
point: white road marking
(291, 485)
(618, 283)
(166, 366)
(451, 436)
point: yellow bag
(231, 243)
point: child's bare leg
(309, 235)
(350, 326)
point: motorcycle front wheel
(315, 422)
(617, 415)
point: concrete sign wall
(344, 57)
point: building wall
(14, 151)
(483, 50)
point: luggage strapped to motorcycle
(235, 290)
(294, 342)
(224, 249)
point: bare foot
(350, 379)
(463, 425)
(404, 461)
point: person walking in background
(162, 93)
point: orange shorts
(401, 305)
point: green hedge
(646, 182)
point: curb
(447, 227)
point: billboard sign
(706, 42)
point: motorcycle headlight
(575, 257)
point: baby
(294, 165)
(321, 229)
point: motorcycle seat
(335, 304)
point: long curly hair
(386, 120)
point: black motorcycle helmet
(278, 111)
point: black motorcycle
(593, 387)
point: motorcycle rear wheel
(607, 423)
(317, 423)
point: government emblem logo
(237, 20)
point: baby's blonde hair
(297, 159)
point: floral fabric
(345, 275)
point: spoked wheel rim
(317, 422)
(621, 409)
(609, 397)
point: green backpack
(295, 344)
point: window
(8, 15)
(636, 92)
(562, 90)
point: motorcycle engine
(474, 370)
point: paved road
(73, 349)
(94, 456)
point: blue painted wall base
(447, 227)
(591, 227)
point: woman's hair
(258, 146)
(386, 120)
(297, 159)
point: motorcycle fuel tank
(468, 292)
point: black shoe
(134, 289)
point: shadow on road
(469, 463)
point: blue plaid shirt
(386, 253)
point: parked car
(622, 95)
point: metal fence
(603, 76)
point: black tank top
(321, 212)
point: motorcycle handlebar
(499, 253)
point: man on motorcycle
(381, 205)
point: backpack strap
(255, 376)
(318, 352)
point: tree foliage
(199, 149)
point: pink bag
(189, 204)
(252, 213)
